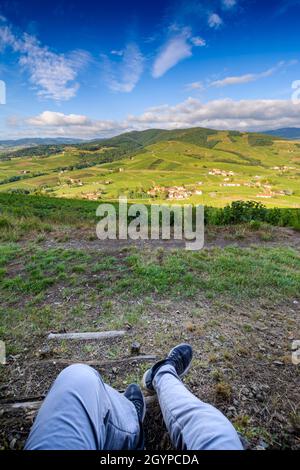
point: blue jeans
(81, 412)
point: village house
(284, 168)
(173, 192)
(92, 196)
(218, 172)
(178, 192)
(75, 181)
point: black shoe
(180, 357)
(134, 393)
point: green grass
(235, 273)
(41, 269)
(122, 290)
(22, 215)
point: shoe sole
(144, 385)
(152, 390)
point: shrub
(241, 212)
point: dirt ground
(242, 353)
(214, 237)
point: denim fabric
(192, 424)
(80, 412)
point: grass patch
(232, 272)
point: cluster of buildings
(92, 196)
(174, 192)
(284, 168)
(78, 182)
(269, 194)
(178, 192)
(218, 172)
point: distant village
(174, 192)
(182, 192)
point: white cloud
(53, 75)
(251, 77)
(174, 51)
(229, 3)
(123, 76)
(214, 21)
(198, 42)
(119, 52)
(52, 119)
(195, 86)
(251, 115)
(223, 114)
(233, 80)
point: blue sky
(79, 69)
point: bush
(241, 212)
(72, 211)
(252, 212)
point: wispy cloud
(250, 77)
(284, 5)
(176, 49)
(214, 21)
(53, 75)
(229, 3)
(123, 76)
(195, 86)
(198, 42)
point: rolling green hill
(196, 165)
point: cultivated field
(198, 166)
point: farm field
(200, 167)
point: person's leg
(80, 412)
(192, 424)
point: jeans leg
(80, 412)
(192, 424)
